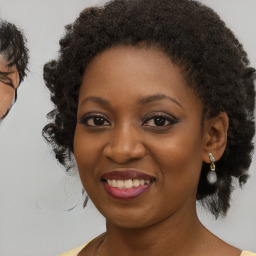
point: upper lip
(126, 175)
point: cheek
(180, 159)
(6, 97)
(87, 154)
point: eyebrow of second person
(145, 100)
(8, 73)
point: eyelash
(91, 116)
(6, 81)
(103, 121)
(153, 116)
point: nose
(125, 144)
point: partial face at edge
(9, 81)
(136, 112)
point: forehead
(131, 70)
(137, 54)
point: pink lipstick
(126, 184)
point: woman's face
(139, 139)
(9, 81)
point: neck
(176, 235)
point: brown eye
(94, 121)
(98, 121)
(159, 120)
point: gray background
(35, 192)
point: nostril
(124, 152)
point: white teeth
(119, 184)
(127, 183)
(114, 183)
(135, 183)
(142, 182)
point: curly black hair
(197, 40)
(13, 47)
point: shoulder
(246, 253)
(73, 252)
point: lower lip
(126, 193)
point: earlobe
(216, 129)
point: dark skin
(150, 121)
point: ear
(215, 136)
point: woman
(155, 99)
(13, 64)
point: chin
(128, 223)
(131, 218)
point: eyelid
(172, 119)
(6, 81)
(90, 115)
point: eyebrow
(145, 100)
(157, 97)
(95, 99)
(6, 73)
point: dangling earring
(212, 176)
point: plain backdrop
(35, 193)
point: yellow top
(75, 252)
(245, 253)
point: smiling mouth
(126, 184)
